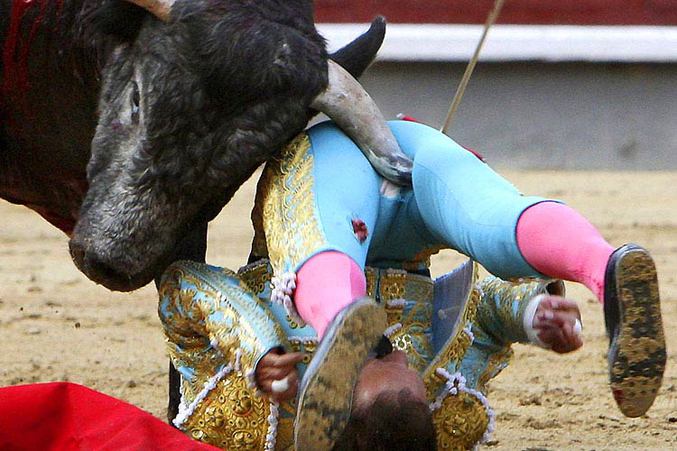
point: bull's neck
(49, 82)
(48, 95)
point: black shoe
(326, 391)
(632, 314)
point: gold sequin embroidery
(392, 285)
(207, 306)
(460, 422)
(407, 299)
(287, 207)
(232, 416)
(256, 277)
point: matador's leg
(470, 208)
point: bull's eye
(136, 101)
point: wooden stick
(493, 15)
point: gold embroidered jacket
(218, 324)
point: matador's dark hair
(393, 422)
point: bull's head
(194, 98)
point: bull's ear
(116, 18)
(356, 56)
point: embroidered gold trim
(287, 203)
(256, 276)
(407, 299)
(457, 346)
(497, 363)
(200, 295)
(232, 416)
(371, 275)
(392, 285)
(460, 422)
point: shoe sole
(325, 398)
(637, 353)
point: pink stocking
(325, 284)
(560, 243)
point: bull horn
(355, 112)
(159, 8)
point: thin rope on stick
(498, 5)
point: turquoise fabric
(346, 187)
(498, 322)
(457, 202)
(205, 309)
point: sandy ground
(57, 325)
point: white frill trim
(185, 411)
(250, 377)
(271, 436)
(480, 290)
(396, 303)
(283, 287)
(468, 331)
(456, 383)
(238, 358)
(390, 331)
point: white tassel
(271, 436)
(390, 331)
(468, 330)
(238, 358)
(283, 287)
(396, 303)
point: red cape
(64, 416)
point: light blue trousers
(456, 202)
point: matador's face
(390, 373)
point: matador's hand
(557, 321)
(276, 374)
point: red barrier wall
(562, 12)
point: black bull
(130, 133)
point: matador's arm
(205, 308)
